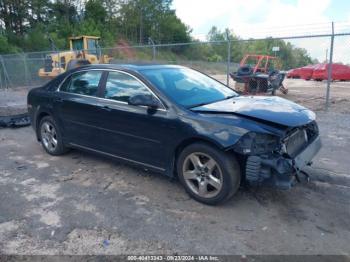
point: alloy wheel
(202, 175)
(49, 136)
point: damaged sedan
(177, 121)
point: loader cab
(88, 44)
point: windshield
(188, 87)
(77, 44)
(92, 46)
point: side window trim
(69, 78)
(102, 86)
(138, 80)
(65, 82)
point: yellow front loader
(83, 50)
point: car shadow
(173, 190)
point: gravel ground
(13, 101)
(80, 203)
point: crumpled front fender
(227, 129)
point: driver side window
(121, 86)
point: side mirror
(144, 100)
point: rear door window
(83, 83)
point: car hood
(271, 109)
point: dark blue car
(177, 121)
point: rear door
(78, 108)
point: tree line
(41, 25)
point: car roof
(132, 67)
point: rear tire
(208, 174)
(50, 137)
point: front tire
(50, 137)
(209, 175)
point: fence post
(25, 69)
(329, 79)
(1, 85)
(150, 41)
(6, 80)
(228, 58)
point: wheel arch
(186, 142)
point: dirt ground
(312, 94)
(80, 203)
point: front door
(133, 132)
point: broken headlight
(257, 143)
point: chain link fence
(215, 58)
(21, 70)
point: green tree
(13, 14)
(289, 55)
(34, 25)
(141, 19)
(6, 47)
(38, 12)
(94, 10)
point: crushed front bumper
(277, 170)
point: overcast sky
(261, 18)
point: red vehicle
(339, 72)
(294, 73)
(306, 72)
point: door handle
(106, 108)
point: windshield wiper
(228, 97)
(207, 103)
(200, 104)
